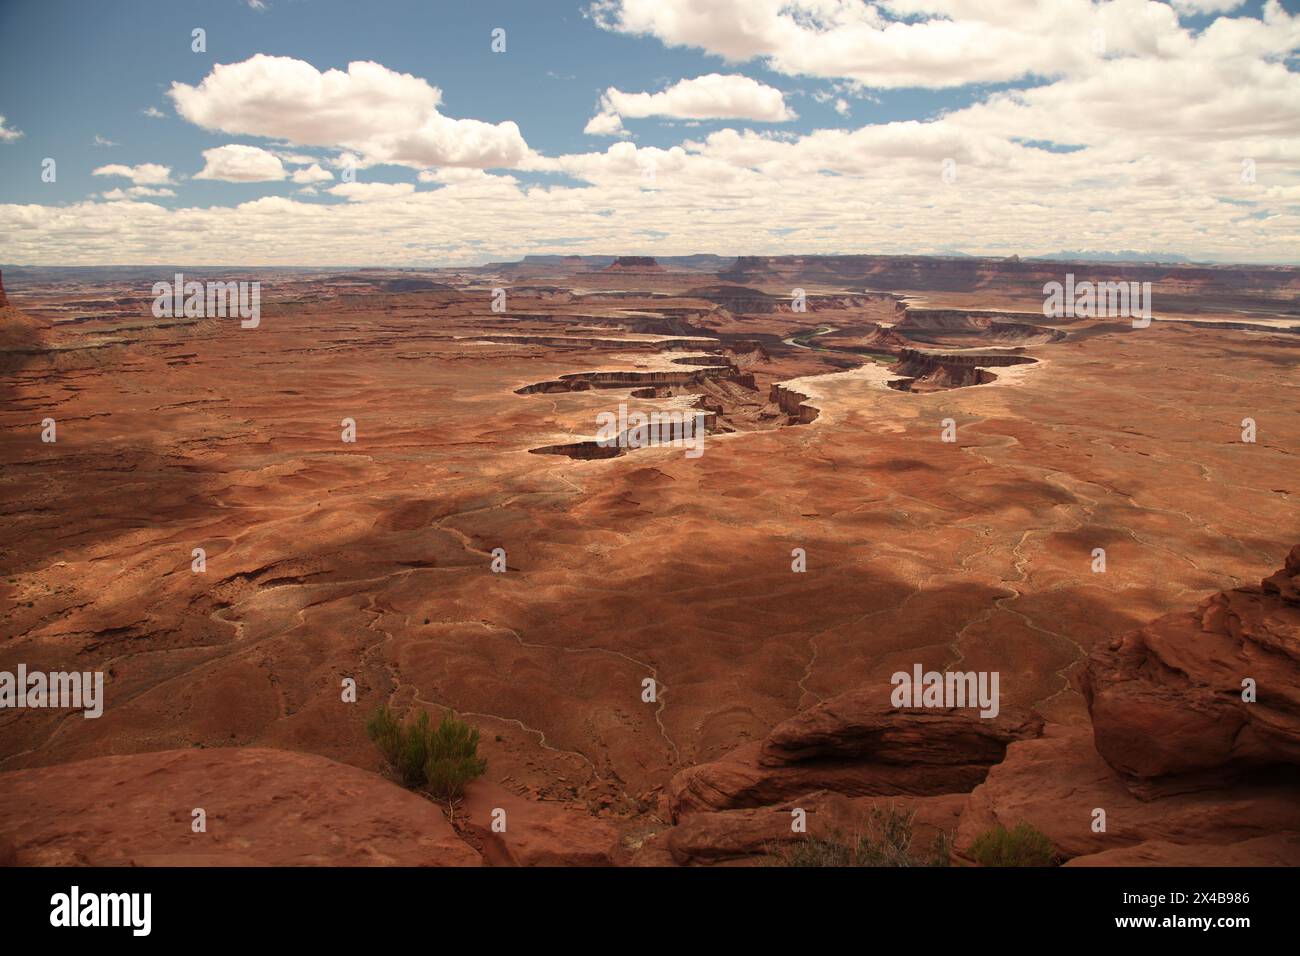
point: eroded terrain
(475, 430)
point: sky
(423, 133)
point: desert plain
(914, 466)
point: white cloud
(145, 174)
(1156, 131)
(605, 124)
(382, 115)
(236, 163)
(101, 141)
(878, 189)
(136, 192)
(8, 135)
(312, 174)
(153, 112)
(713, 96)
(901, 43)
(371, 192)
(455, 174)
(293, 159)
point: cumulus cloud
(453, 174)
(605, 124)
(371, 192)
(153, 112)
(382, 115)
(241, 164)
(713, 96)
(1142, 147)
(136, 192)
(145, 174)
(902, 43)
(876, 189)
(312, 174)
(8, 134)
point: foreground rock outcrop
(1058, 782)
(1281, 849)
(263, 808)
(854, 745)
(1179, 768)
(706, 838)
(535, 833)
(1167, 700)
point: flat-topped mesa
(639, 264)
(737, 298)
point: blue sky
(72, 72)
(117, 58)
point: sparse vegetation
(887, 841)
(1023, 846)
(441, 760)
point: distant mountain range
(1126, 255)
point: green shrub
(453, 759)
(887, 841)
(403, 747)
(1023, 846)
(439, 759)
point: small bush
(1023, 846)
(453, 759)
(814, 851)
(403, 747)
(439, 759)
(886, 842)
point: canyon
(947, 459)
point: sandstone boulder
(1055, 784)
(855, 744)
(1167, 700)
(863, 724)
(537, 833)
